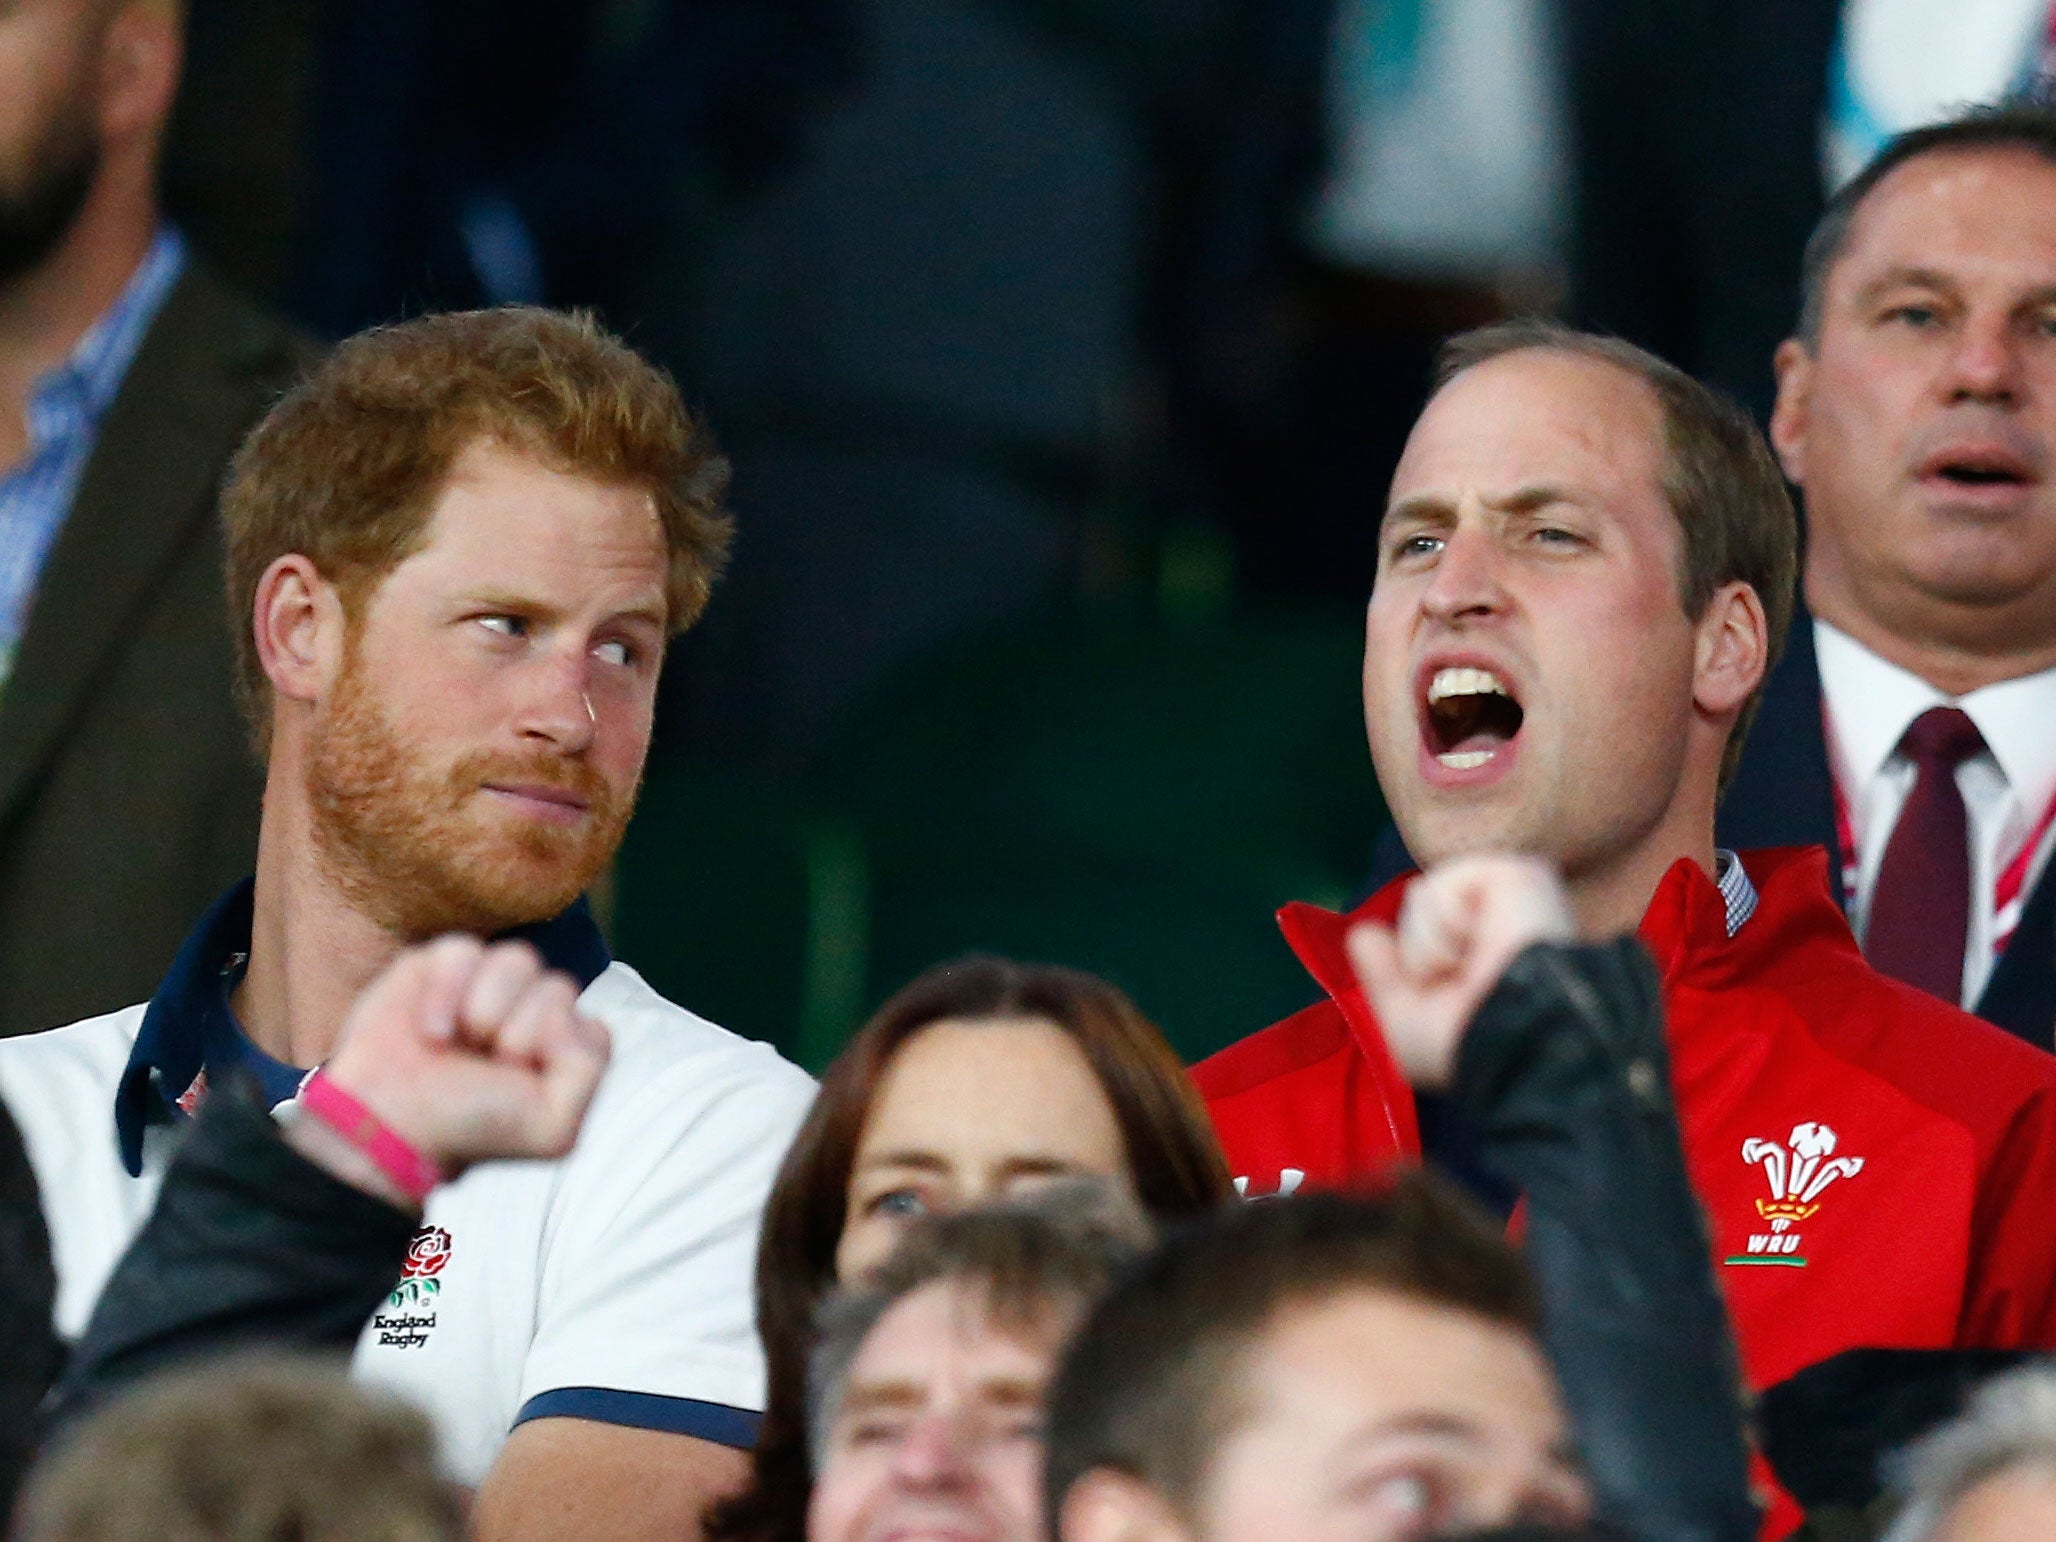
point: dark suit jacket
(128, 794)
(1784, 795)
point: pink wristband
(411, 1172)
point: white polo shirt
(614, 1285)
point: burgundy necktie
(1920, 909)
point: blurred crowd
(581, 583)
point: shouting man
(1585, 569)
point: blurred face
(1529, 671)
(939, 1434)
(1376, 1417)
(1922, 423)
(477, 757)
(970, 1112)
(49, 145)
(2016, 1505)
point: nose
(1466, 582)
(934, 1452)
(1985, 364)
(556, 704)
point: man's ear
(1789, 418)
(1110, 1506)
(142, 53)
(1731, 650)
(298, 624)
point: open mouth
(1471, 716)
(1979, 467)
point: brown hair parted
(245, 1451)
(1032, 1261)
(1156, 1377)
(1172, 1153)
(344, 470)
(1720, 479)
(2024, 124)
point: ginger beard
(418, 848)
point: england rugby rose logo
(426, 1255)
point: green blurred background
(1132, 788)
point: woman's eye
(505, 626)
(899, 1202)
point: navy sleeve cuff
(717, 1422)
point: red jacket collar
(1685, 927)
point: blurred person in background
(926, 1386)
(462, 546)
(1415, 185)
(1313, 1367)
(128, 375)
(1695, 132)
(980, 1080)
(1904, 64)
(243, 1453)
(1989, 1476)
(1911, 727)
(1586, 568)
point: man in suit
(127, 377)
(1911, 727)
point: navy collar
(188, 1028)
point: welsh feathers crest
(1798, 1171)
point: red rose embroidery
(426, 1254)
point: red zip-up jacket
(1877, 1168)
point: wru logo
(1799, 1171)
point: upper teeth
(1462, 681)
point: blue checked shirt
(64, 411)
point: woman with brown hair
(979, 1080)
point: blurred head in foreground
(245, 1451)
(1309, 1368)
(1990, 1475)
(926, 1389)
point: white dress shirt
(2006, 789)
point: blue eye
(900, 1202)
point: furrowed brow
(1429, 509)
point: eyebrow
(1004, 1391)
(929, 1162)
(654, 612)
(1433, 508)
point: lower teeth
(1465, 760)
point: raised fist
(468, 1052)
(1459, 926)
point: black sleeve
(30, 1353)
(1563, 1074)
(250, 1245)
